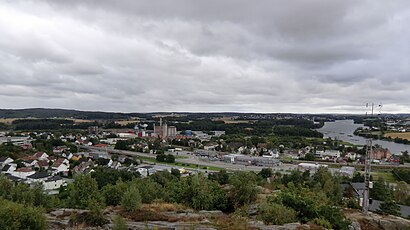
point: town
(206, 145)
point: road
(195, 160)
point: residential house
(23, 172)
(351, 155)
(60, 149)
(328, 154)
(37, 177)
(54, 182)
(9, 168)
(356, 190)
(41, 156)
(380, 154)
(30, 163)
(61, 165)
(146, 170)
(5, 161)
(42, 164)
(115, 165)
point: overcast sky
(311, 56)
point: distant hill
(64, 113)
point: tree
(222, 177)
(114, 193)
(309, 157)
(176, 173)
(19, 216)
(95, 216)
(276, 214)
(266, 173)
(389, 207)
(401, 192)
(131, 200)
(244, 189)
(380, 191)
(83, 190)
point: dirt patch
(405, 136)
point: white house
(61, 165)
(351, 156)
(23, 172)
(8, 168)
(330, 154)
(54, 182)
(41, 156)
(5, 161)
(146, 170)
(38, 177)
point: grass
(405, 136)
(387, 176)
(181, 157)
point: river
(343, 130)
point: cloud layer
(232, 55)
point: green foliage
(381, 191)
(244, 189)
(114, 193)
(389, 207)
(14, 216)
(84, 189)
(105, 176)
(169, 158)
(323, 181)
(401, 192)
(198, 192)
(119, 223)
(95, 216)
(222, 177)
(22, 193)
(276, 214)
(309, 157)
(10, 150)
(131, 200)
(310, 204)
(176, 173)
(297, 178)
(402, 175)
(321, 222)
(334, 216)
(149, 190)
(266, 173)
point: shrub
(322, 223)
(119, 223)
(95, 216)
(131, 201)
(276, 214)
(19, 216)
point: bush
(95, 216)
(322, 223)
(131, 201)
(19, 216)
(119, 223)
(276, 214)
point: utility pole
(367, 168)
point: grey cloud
(270, 56)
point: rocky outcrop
(375, 221)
